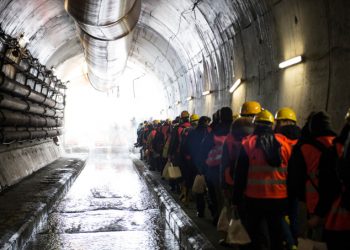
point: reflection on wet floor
(108, 207)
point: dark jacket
(328, 184)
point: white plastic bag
(236, 233)
(223, 221)
(165, 173)
(174, 171)
(307, 244)
(199, 185)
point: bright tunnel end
(98, 119)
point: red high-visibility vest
(265, 181)
(215, 154)
(312, 157)
(338, 219)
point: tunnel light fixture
(290, 62)
(189, 98)
(208, 92)
(235, 85)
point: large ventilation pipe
(105, 29)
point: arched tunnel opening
(79, 77)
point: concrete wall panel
(19, 163)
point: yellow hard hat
(185, 114)
(264, 116)
(168, 120)
(347, 116)
(194, 118)
(155, 122)
(250, 108)
(286, 114)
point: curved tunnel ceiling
(198, 45)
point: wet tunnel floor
(108, 207)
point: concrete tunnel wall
(195, 46)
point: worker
(241, 127)
(153, 154)
(193, 143)
(310, 175)
(165, 140)
(250, 109)
(188, 169)
(215, 120)
(194, 120)
(174, 148)
(337, 227)
(260, 180)
(286, 124)
(210, 160)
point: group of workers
(285, 182)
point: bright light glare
(290, 62)
(94, 118)
(189, 98)
(235, 85)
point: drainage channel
(108, 207)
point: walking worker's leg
(275, 228)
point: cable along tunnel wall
(32, 99)
(32, 102)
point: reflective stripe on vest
(338, 218)
(215, 154)
(312, 157)
(265, 181)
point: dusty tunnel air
(83, 81)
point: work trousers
(264, 226)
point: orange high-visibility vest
(265, 181)
(338, 218)
(312, 157)
(215, 154)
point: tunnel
(80, 75)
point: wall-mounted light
(189, 98)
(208, 92)
(235, 85)
(290, 62)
